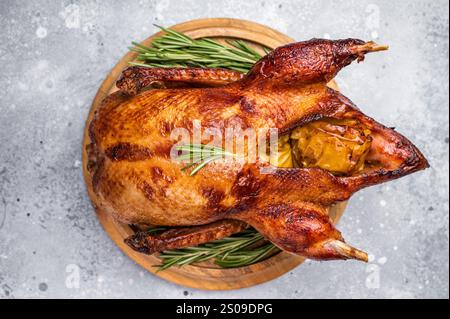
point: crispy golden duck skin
(137, 182)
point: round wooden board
(201, 276)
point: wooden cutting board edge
(198, 276)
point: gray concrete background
(54, 55)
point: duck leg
(183, 237)
(303, 229)
(135, 78)
(317, 60)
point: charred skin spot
(91, 165)
(413, 158)
(214, 197)
(246, 189)
(138, 242)
(247, 106)
(246, 185)
(162, 149)
(128, 152)
(158, 176)
(160, 180)
(165, 128)
(130, 82)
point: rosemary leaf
(200, 155)
(233, 251)
(174, 47)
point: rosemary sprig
(199, 155)
(244, 257)
(174, 49)
(229, 252)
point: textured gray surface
(53, 57)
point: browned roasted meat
(183, 237)
(337, 150)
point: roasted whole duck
(333, 150)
